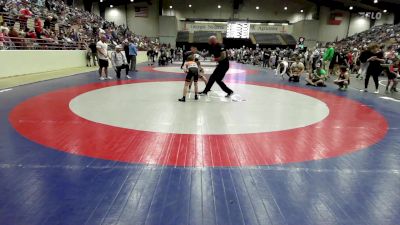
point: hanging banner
(141, 11)
(223, 28)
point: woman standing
(375, 58)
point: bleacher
(267, 39)
(183, 36)
(289, 39)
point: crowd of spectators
(383, 35)
(52, 24)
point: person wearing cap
(219, 52)
(119, 62)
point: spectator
(93, 49)
(102, 55)
(374, 69)
(2, 39)
(38, 26)
(132, 55)
(119, 62)
(296, 69)
(25, 14)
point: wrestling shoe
(229, 95)
(203, 93)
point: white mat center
(153, 106)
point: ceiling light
(385, 11)
(111, 6)
(170, 6)
(375, 1)
(257, 7)
(285, 8)
(190, 6)
(351, 8)
(301, 10)
(219, 6)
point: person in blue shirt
(132, 55)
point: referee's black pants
(217, 76)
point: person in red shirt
(38, 26)
(29, 33)
(25, 14)
(349, 60)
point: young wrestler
(343, 80)
(201, 71)
(392, 79)
(192, 71)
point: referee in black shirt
(220, 56)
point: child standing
(192, 71)
(202, 77)
(392, 78)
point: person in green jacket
(328, 56)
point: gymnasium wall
(95, 8)
(168, 29)
(116, 14)
(320, 30)
(22, 62)
(141, 25)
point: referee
(220, 56)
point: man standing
(220, 56)
(93, 49)
(102, 55)
(132, 55)
(266, 57)
(119, 62)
